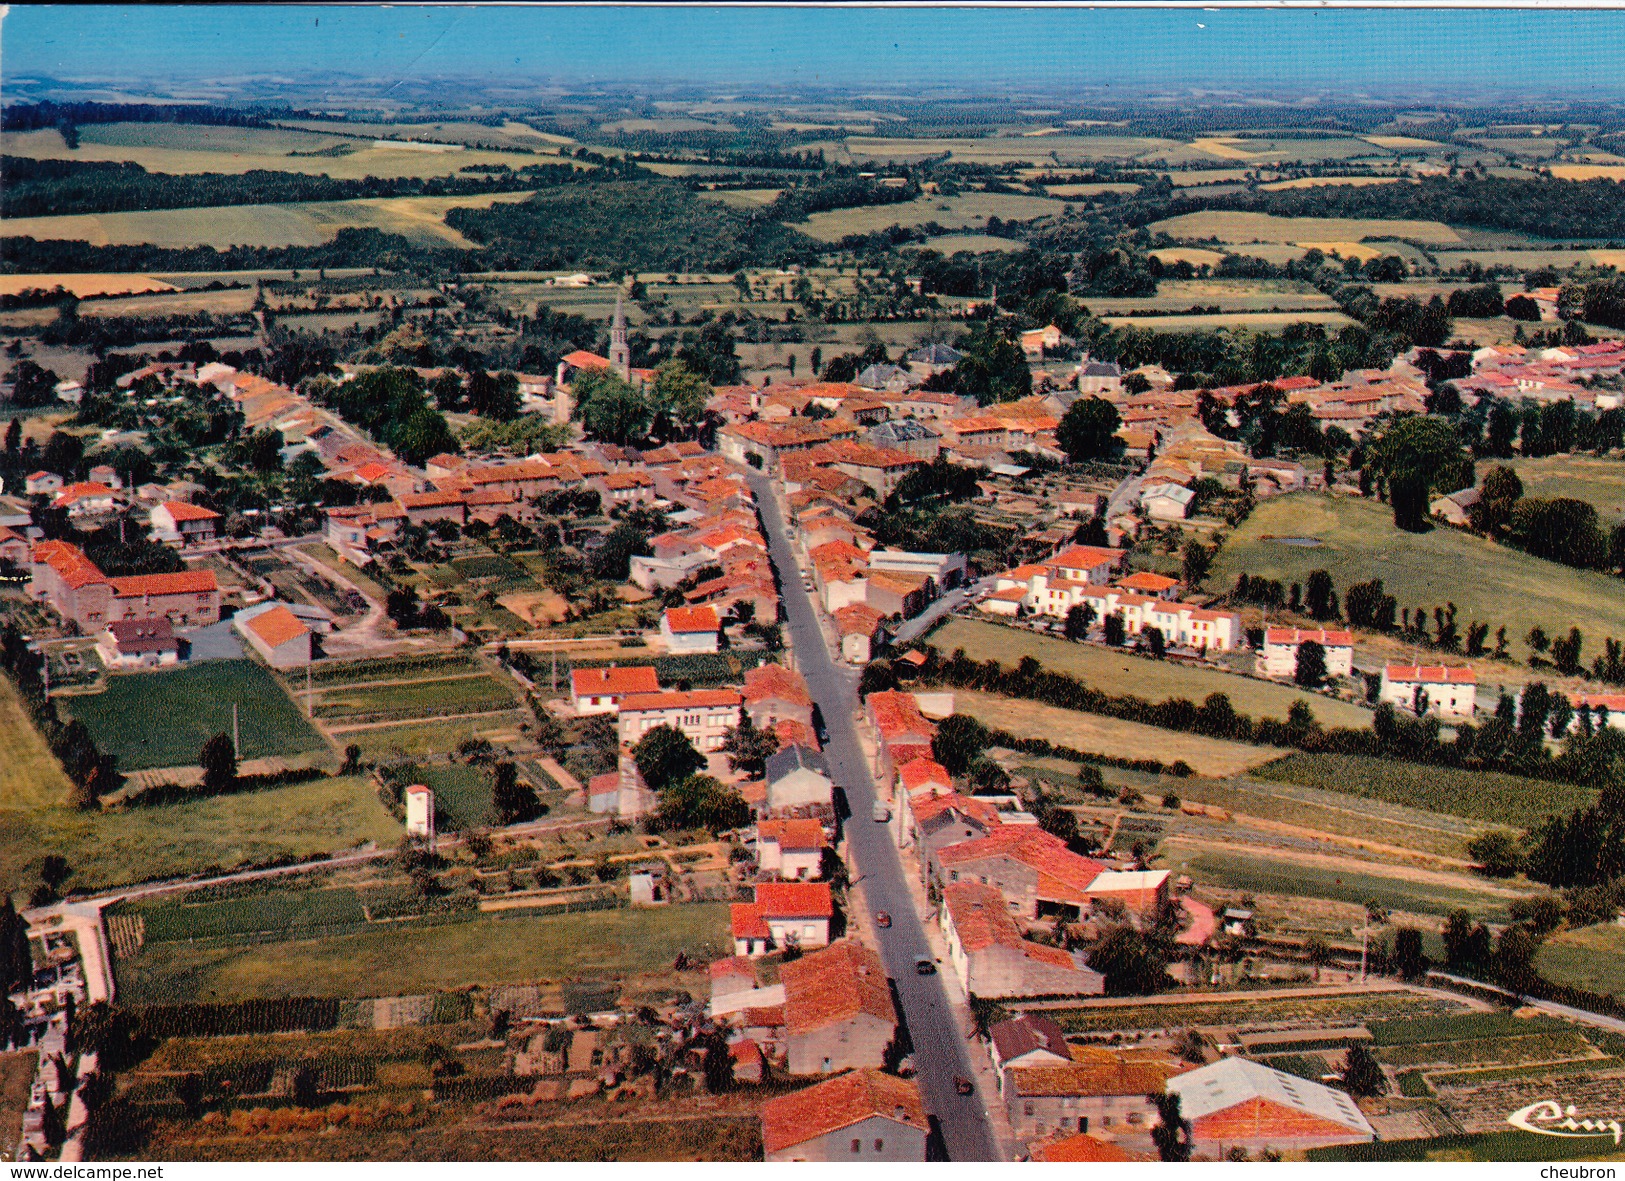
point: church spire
(620, 355)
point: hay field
(1110, 736)
(181, 303)
(510, 134)
(307, 223)
(742, 198)
(1601, 482)
(1228, 295)
(188, 148)
(1591, 957)
(30, 776)
(1007, 149)
(975, 243)
(1315, 182)
(1401, 141)
(1256, 321)
(1233, 226)
(1194, 255)
(1156, 680)
(1276, 252)
(1089, 190)
(967, 209)
(1190, 178)
(1588, 171)
(1225, 149)
(83, 285)
(1530, 259)
(1359, 542)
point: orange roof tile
(1082, 1149)
(920, 773)
(792, 834)
(693, 699)
(277, 626)
(180, 510)
(613, 681)
(794, 900)
(1062, 874)
(839, 1103)
(185, 582)
(69, 563)
(1145, 580)
(1432, 674)
(837, 983)
(691, 620)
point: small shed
(650, 883)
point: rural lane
(939, 1044)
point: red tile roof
(1145, 580)
(581, 359)
(185, 582)
(277, 626)
(1062, 874)
(1082, 1149)
(1087, 557)
(919, 773)
(734, 965)
(776, 681)
(1432, 674)
(691, 620)
(69, 562)
(180, 510)
(839, 1103)
(1298, 635)
(792, 834)
(794, 900)
(839, 982)
(693, 699)
(613, 681)
(897, 714)
(748, 922)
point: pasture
(1156, 680)
(308, 223)
(1358, 542)
(1600, 482)
(188, 148)
(162, 719)
(1235, 226)
(1227, 295)
(1095, 734)
(141, 844)
(951, 244)
(1591, 958)
(964, 210)
(629, 946)
(30, 776)
(1487, 797)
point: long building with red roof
(61, 574)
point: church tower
(620, 356)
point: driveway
(940, 1050)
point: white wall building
(1280, 655)
(1450, 693)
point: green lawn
(162, 719)
(388, 742)
(504, 948)
(117, 848)
(1487, 796)
(1487, 582)
(1156, 680)
(1591, 957)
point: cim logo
(1550, 1118)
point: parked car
(923, 966)
(882, 918)
(963, 1085)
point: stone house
(838, 1010)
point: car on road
(880, 812)
(882, 919)
(924, 966)
(963, 1085)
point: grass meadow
(1359, 542)
(967, 209)
(1591, 957)
(1156, 680)
(162, 719)
(1237, 226)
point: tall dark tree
(1088, 430)
(959, 741)
(665, 755)
(218, 759)
(1172, 1133)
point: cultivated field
(1252, 1011)
(1094, 734)
(1154, 679)
(1234, 226)
(162, 719)
(30, 776)
(1592, 958)
(1227, 295)
(308, 223)
(188, 148)
(82, 285)
(967, 209)
(1359, 542)
(1194, 255)
(629, 946)
(1488, 797)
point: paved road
(939, 1043)
(951, 601)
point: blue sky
(1570, 52)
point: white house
(42, 484)
(420, 812)
(1280, 655)
(784, 914)
(690, 629)
(180, 523)
(137, 643)
(792, 849)
(600, 690)
(1448, 693)
(798, 777)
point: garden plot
(1241, 1011)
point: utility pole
(310, 707)
(236, 750)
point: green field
(462, 793)
(1359, 542)
(1600, 482)
(305, 223)
(1241, 1010)
(1486, 796)
(1591, 958)
(507, 948)
(952, 213)
(1228, 869)
(1155, 680)
(1234, 226)
(162, 719)
(117, 848)
(415, 699)
(393, 668)
(388, 742)
(1513, 1145)
(30, 776)
(1257, 321)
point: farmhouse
(861, 1116)
(792, 849)
(703, 715)
(798, 779)
(180, 523)
(838, 1012)
(600, 690)
(992, 959)
(1280, 655)
(60, 574)
(1108, 1090)
(1034, 870)
(1448, 693)
(784, 914)
(85, 499)
(690, 629)
(1238, 1103)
